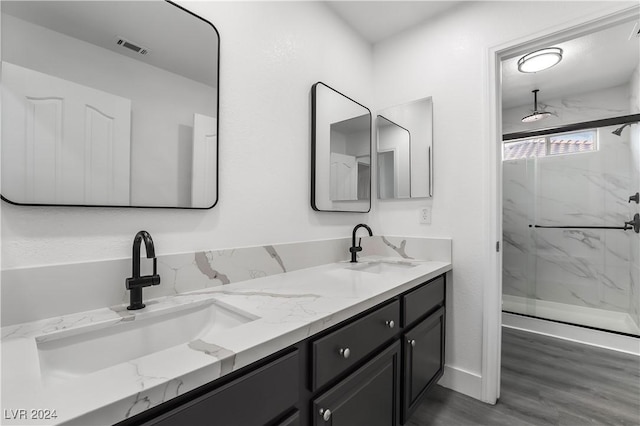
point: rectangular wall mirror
(405, 150)
(341, 152)
(109, 103)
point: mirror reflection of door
(66, 143)
(349, 160)
(205, 157)
(394, 159)
(386, 174)
(364, 177)
(344, 177)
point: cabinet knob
(345, 353)
(326, 414)
(390, 323)
(412, 342)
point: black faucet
(354, 249)
(136, 282)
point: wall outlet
(425, 215)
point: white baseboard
(602, 339)
(462, 381)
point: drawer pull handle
(412, 342)
(345, 353)
(326, 414)
(390, 323)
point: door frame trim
(492, 296)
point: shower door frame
(574, 127)
(492, 313)
(564, 129)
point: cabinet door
(423, 360)
(254, 399)
(369, 396)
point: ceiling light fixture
(537, 115)
(540, 59)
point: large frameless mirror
(341, 152)
(109, 103)
(405, 150)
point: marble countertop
(276, 311)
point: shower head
(536, 115)
(618, 131)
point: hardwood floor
(546, 381)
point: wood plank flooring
(546, 381)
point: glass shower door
(574, 267)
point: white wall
(448, 59)
(271, 54)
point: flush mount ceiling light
(540, 59)
(537, 115)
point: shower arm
(633, 224)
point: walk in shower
(571, 178)
(570, 204)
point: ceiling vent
(123, 42)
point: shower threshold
(601, 319)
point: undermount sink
(70, 356)
(383, 267)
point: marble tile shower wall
(595, 105)
(45, 292)
(634, 132)
(581, 267)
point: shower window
(558, 144)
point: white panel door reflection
(63, 143)
(205, 157)
(344, 177)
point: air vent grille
(135, 47)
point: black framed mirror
(405, 150)
(340, 152)
(109, 103)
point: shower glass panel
(558, 191)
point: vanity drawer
(343, 348)
(255, 398)
(422, 300)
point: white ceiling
(592, 62)
(595, 61)
(177, 41)
(378, 20)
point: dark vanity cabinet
(372, 369)
(423, 360)
(423, 342)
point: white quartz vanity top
(280, 309)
